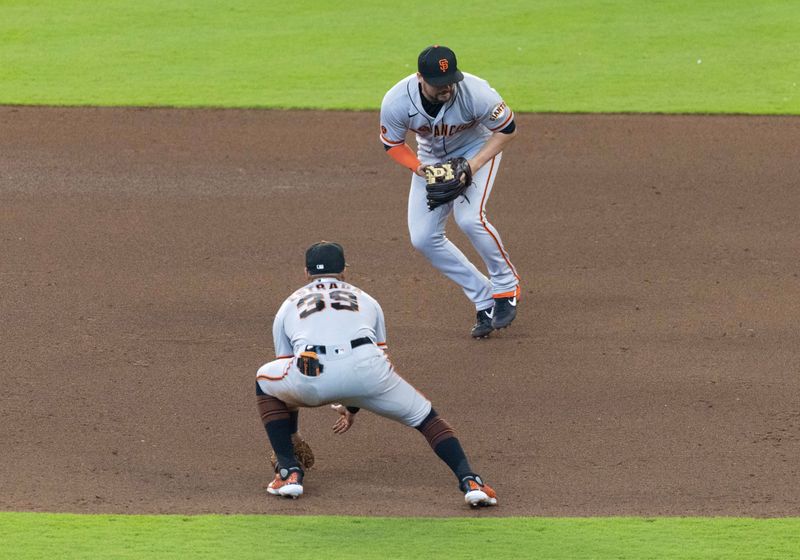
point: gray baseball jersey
(332, 313)
(326, 311)
(460, 129)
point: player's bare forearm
(496, 144)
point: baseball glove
(303, 452)
(447, 181)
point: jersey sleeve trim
(505, 122)
(512, 126)
(392, 143)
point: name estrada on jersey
(326, 311)
(460, 128)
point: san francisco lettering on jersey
(461, 127)
(444, 129)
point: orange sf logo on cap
(443, 64)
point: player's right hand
(345, 419)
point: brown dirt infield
(654, 368)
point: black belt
(355, 343)
(308, 362)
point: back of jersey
(329, 311)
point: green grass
(728, 56)
(233, 537)
(733, 56)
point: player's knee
(418, 240)
(425, 241)
(470, 225)
(435, 429)
(270, 408)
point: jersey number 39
(339, 300)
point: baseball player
(455, 114)
(330, 342)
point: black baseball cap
(437, 65)
(325, 257)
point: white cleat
(477, 493)
(292, 491)
(287, 483)
(478, 498)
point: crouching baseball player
(330, 341)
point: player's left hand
(447, 181)
(345, 419)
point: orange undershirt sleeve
(404, 156)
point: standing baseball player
(455, 116)
(330, 342)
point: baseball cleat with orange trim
(505, 309)
(287, 483)
(477, 493)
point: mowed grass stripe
(734, 56)
(67, 536)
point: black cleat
(505, 310)
(483, 324)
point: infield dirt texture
(653, 368)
